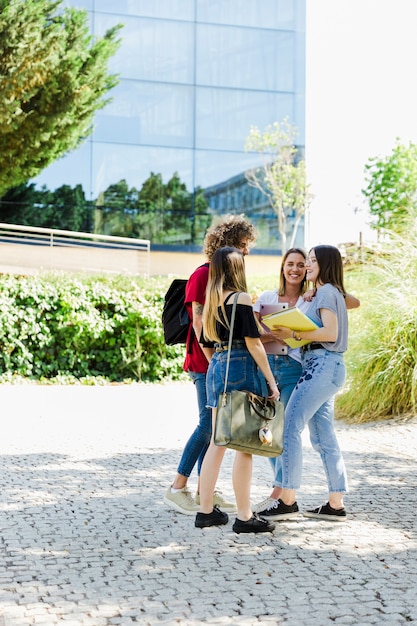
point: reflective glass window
(79, 4)
(147, 113)
(216, 167)
(267, 14)
(174, 9)
(156, 50)
(299, 116)
(245, 57)
(222, 175)
(112, 163)
(74, 169)
(224, 116)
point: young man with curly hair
(237, 232)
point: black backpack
(175, 319)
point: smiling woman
(285, 362)
(312, 400)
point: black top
(245, 323)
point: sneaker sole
(179, 509)
(281, 517)
(326, 518)
(243, 530)
(209, 525)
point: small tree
(282, 175)
(53, 77)
(392, 187)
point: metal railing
(55, 238)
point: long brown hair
(282, 279)
(226, 273)
(330, 265)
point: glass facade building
(195, 75)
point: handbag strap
(232, 323)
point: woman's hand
(309, 295)
(273, 390)
(282, 332)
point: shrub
(382, 356)
(57, 326)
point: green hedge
(63, 327)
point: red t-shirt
(195, 291)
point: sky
(361, 96)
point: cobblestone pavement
(86, 540)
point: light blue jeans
(197, 444)
(286, 372)
(312, 403)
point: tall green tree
(53, 77)
(391, 188)
(281, 176)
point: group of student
(305, 379)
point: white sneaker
(182, 501)
(265, 504)
(219, 501)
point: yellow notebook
(291, 318)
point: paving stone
(86, 539)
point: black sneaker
(215, 518)
(254, 525)
(278, 511)
(327, 512)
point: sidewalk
(86, 540)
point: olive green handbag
(246, 421)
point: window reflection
(224, 116)
(181, 9)
(79, 4)
(148, 113)
(171, 41)
(195, 75)
(273, 14)
(73, 170)
(111, 163)
(245, 58)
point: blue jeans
(286, 372)
(197, 445)
(243, 374)
(312, 403)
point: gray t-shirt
(328, 297)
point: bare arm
(351, 302)
(198, 327)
